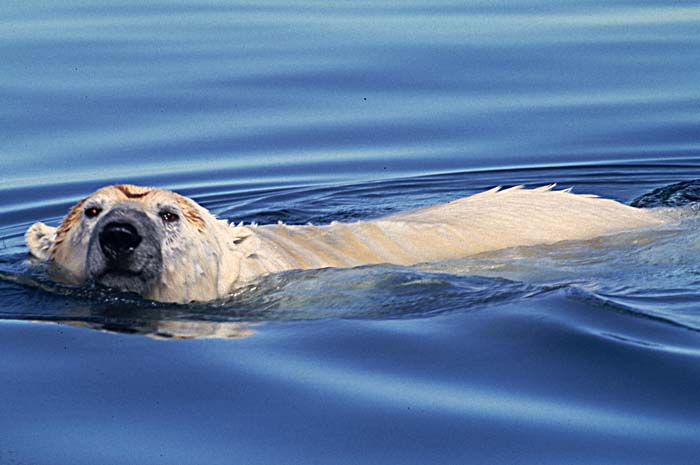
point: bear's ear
(40, 239)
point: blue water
(266, 111)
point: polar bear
(167, 248)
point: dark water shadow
(371, 293)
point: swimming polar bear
(166, 247)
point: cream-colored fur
(208, 258)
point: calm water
(320, 111)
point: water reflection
(104, 310)
(367, 292)
(168, 329)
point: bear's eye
(169, 217)
(92, 212)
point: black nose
(118, 239)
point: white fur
(209, 264)
(491, 220)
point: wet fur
(205, 258)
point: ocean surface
(310, 111)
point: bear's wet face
(124, 251)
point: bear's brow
(126, 190)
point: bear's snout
(125, 250)
(118, 239)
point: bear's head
(152, 242)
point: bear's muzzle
(125, 250)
